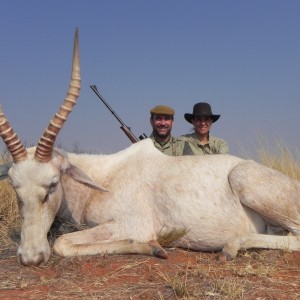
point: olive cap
(162, 110)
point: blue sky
(240, 56)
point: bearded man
(161, 120)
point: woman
(200, 142)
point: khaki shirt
(193, 146)
(173, 147)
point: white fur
(222, 200)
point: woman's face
(202, 124)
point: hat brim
(189, 117)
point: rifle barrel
(124, 127)
(94, 88)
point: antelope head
(35, 175)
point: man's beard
(161, 135)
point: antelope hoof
(160, 252)
(226, 256)
(157, 250)
(230, 251)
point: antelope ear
(79, 176)
(60, 160)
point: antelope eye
(52, 187)
(46, 198)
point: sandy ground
(256, 274)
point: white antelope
(226, 203)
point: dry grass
(10, 221)
(276, 155)
(263, 274)
(283, 162)
(253, 275)
(166, 237)
(178, 283)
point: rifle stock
(124, 128)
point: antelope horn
(10, 138)
(45, 145)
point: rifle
(124, 127)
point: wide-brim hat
(201, 109)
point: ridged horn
(45, 145)
(11, 140)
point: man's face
(162, 125)
(202, 124)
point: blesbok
(226, 203)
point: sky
(240, 56)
